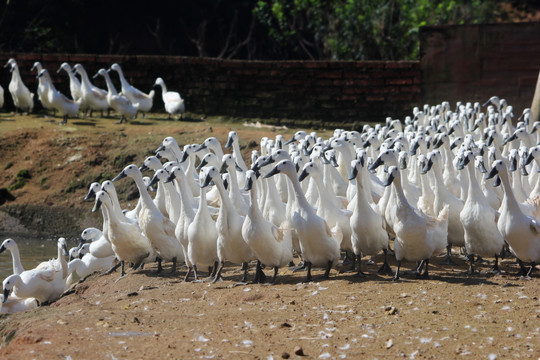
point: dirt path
(149, 316)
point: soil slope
(145, 315)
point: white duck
(368, 234)
(127, 241)
(157, 228)
(99, 245)
(119, 103)
(93, 97)
(174, 104)
(45, 283)
(337, 219)
(521, 232)
(74, 83)
(272, 246)
(234, 142)
(187, 214)
(11, 245)
(43, 88)
(23, 99)
(443, 197)
(133, 94)
(239, 199)
(14, 304)
(482, 238)
(230, 243)
(316, 242)
(153, 163)
(86, 264)
(1, 97)
(57, 100)
(202, 236)
(418, 236)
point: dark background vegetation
(242, 29)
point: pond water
(33, 251)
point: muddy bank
(46, 221)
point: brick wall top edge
(432, 28)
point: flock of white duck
(425, 185)
(85, 96)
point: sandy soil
(149, 316)
(451, 315)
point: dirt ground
(150, 316)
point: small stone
(133, 294)
(286, 325)
(389, 343)
(292, 302)
(299, 351)
(285, 355)
(391, 310)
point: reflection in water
(33, 251)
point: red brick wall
(475, 62)
(329, 92)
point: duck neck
(509, 197)
(238, 155)
(185, 193)
(360, 190)
(73, 79)
(16, 75)
(203, 205)
(110, 85)
(474, 189)
(123, 80)
(85, 81)
(115, 203)
(16, 258)
(226, 203)
(401, 200)
(63, 262)
(254, 210)
(145, 197)
(299, 193)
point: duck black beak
(120, 176)
(272, 172)
(97, 205)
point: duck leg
(522, 271)
(328, 268)
(214, 269)
(360, 273)
(425, 274)
(173, 269)
(217, 275)
(470, 257)
(385, 267)
(448, 260)
(112, 269)
(495, 268)
(64, 121)
(195, 275)
(159, 267)
(308, 276)
(259, 274)
(273, 281)
(188, 274)
(396, 277)
(245, 267)
(533, 267)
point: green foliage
(365, 29)
(20, 180)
